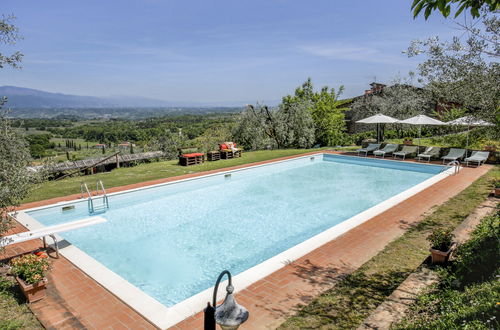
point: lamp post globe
(230, 315)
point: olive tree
(326, 110)
(253, 129)
(301, 120)
(465, 70)
(16, 179)
(400, 100)
(169, 143)
(295, 125)
(9, 35)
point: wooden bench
(213, 155)
(227, 154)
(190, 156)
(227, 151)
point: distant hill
(33, 103)
(20, 97)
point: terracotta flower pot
(439, 257)
(33, 292)
(497, 192)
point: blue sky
(212, 51)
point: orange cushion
(223, 146)
(194, 154)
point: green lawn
(14, 311)
(149, 171)
(349, 302)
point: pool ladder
(455, 164)
(92, 206)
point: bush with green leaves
(30, 268)
(441, 239)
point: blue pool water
(172, 241)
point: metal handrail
(455, 164)
(100, 185)
(83, 186)
(99, 188)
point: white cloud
(352, 53)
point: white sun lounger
(477, 157)
(50, 231)
(387, 150)
(370, 148)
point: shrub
(359, 137)
(30, 268)
(440, 239)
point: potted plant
(497, 188)
(441, 245)
(408, 141)
(30, 273)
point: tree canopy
(445, 7)
(301, 120)
(465, 72)
(9, 34)
(326, 110)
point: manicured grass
(351, 300)
(150, 171)
(14, 312)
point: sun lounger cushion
(195, 154)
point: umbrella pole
(419, 134)
(467, 141)
(378, 135)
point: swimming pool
(172, 240)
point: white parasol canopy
(421, 120)
(378, 119)
(469, 121)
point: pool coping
(162, 316)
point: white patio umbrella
(421, 120)
(469, 121)
(378, 119)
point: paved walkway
(75, 300)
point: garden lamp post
(229, 315)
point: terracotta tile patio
(76, 301)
